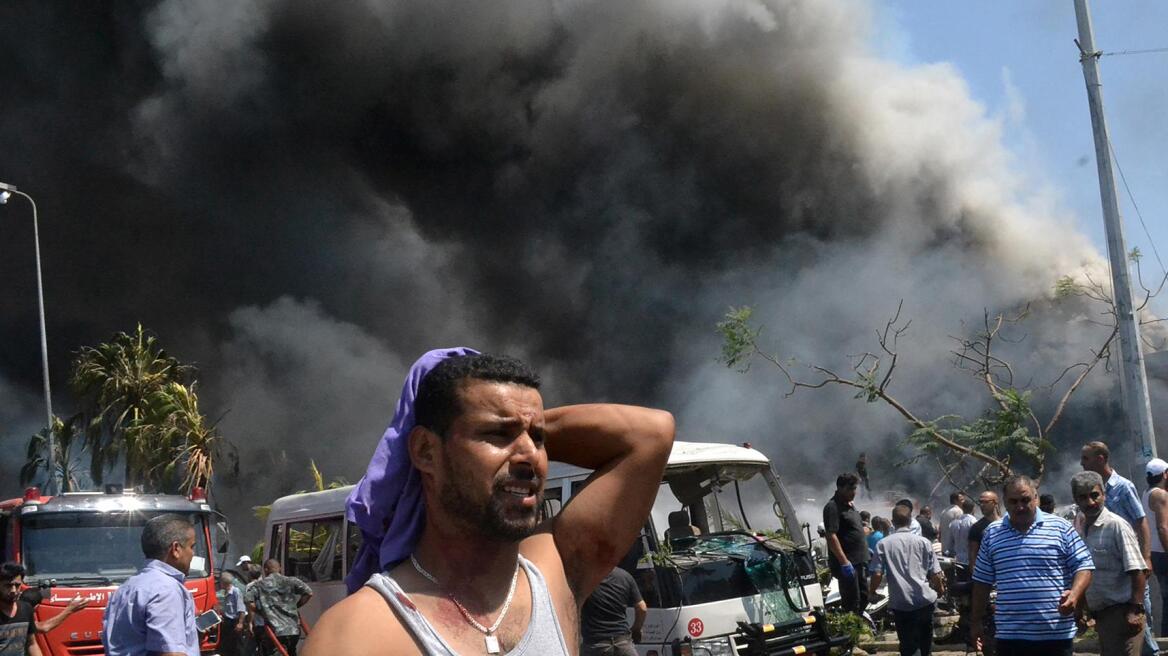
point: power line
(1133, 52)
(1135, 205)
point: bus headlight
(713, 647)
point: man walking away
(862, 472)
(957, 533)
(603, 625)
(1123, 500)
(278, 598)
(925, 520)
(232, 607)
(914, 581)
(18, 626)
(949, 514)
(847, 547)
(1030, 556)
(152, 612)
(914, 526)
(1116, 593)
(1155, 502)
(1046, 503)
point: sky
(301, 204)
(1020, 60)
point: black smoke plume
(302, 197)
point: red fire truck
(88, 543)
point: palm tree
(175, 441)
(64, 464)
(115, 383)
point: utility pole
(1133, 381)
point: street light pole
(5, 191)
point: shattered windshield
(717, 498)
(94, 548)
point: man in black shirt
(602, 619)
(925, 519)
(989, 514)
(18, 624)
(847, 547)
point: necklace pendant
(492, 644)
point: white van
(735, 578)
(309, 535)
(723, 562)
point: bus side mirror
(224, 536)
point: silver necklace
(489, 637)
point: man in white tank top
(1156, 507)
(481, 445)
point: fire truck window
(352, 545)
(112, 545)
(314, 550)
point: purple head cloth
(387, 502)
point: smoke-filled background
(303, 197)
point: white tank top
(544, 636)
(1154, 534)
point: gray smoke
(304, 198)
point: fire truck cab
(87, 543)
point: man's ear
(424, 448)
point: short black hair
(954, 497)
(161, 532)
(1046, 499)
(848, 479)
(11, 570)
(437, 402)
(907, 503)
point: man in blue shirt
(914, 581)
(1041, 568)
(152, 612)
(233, 609)
(1123, 500)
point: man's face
(1022, 504)
(960, 500)
(494, 464)
(10, 589)
(846, 493)
(988, 502)
(1091, 502)
(183, 552)
(1092, 461)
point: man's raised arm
(628, 447)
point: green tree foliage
(139, 405)
(67, 442)
(1005, 437)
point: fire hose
(276, 641)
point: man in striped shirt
(1041, 569)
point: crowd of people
(1025, 580)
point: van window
(314, 550)
(553, 502)
(352, 545)
(276, 545)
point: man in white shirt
(949, 514)
(957, 533)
